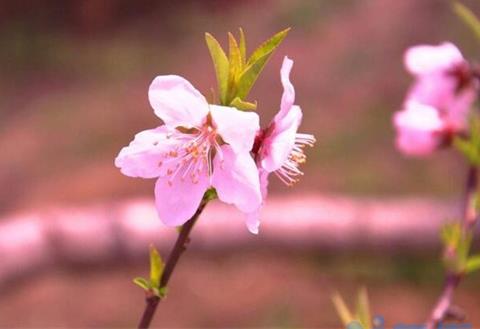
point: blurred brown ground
(73, 91)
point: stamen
(289, 172)
(191, 154)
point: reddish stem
(180, 246)
(452, 280)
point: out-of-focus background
(73, 91)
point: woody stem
(453, 279)
(180, 246)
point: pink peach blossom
(279, 146)
(420, 129)
(198, 147)
(438, 103)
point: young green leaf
(468, 17)
(156, 267)
(220, 62)
(268, 46)
(473, 264)
(249, 76)
(142, 283)
(342, 309)
(235, 60)
(363, 309)
(243, 47)
(354, 325)
(243, 105)
(468, 148)
(256, 63)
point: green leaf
(243, 105)
(249, 76)
(156, 267)
(220, 62)
(354, 325)
(363, 309)
(342, 309)
(467, 147)
(142, 283)
(268, 46)
(473, 264)
(256, 63)
(468, 17)
(243, 47)
(162, 292)
(235, 60)
(450, 234)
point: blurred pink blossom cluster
(437, 105)
(202, 146)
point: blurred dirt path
(96, 234)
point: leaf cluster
(361, 318)
(152, 285)
(236, 74)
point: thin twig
(180, 246)
(452, 280)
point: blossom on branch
(438, 103)
(279, 148)
(199, 146)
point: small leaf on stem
(220, 62)
(468, 17)
(156, 267)
(363, 309)
(256, 63)
(243, 105)
(142, 283)
(243, 47)
(473, 264)
(342, 309)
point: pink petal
(177, 202)
(237, 128)
(417, 128)
(142, 156)
(277, 147)
(425, 59)
(236, 179)
(459, 109)
(253, 218)
(437, 90)
(253, 221)
(288, 96)
(177, 102)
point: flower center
(289, 172)
(191, 154)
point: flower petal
(288, 96)
(142, 157)
(237, 128)
(177, 200)
(236, 179)
(437, 90)
(177, 102)
(253, 221)
(424, 59)
(418, 128)
(459, 108)
(253, 218)
(277, 147)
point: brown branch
(180, 246)
(452, 280)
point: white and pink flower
(437, 105)
(198, 147)
(279, 148)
